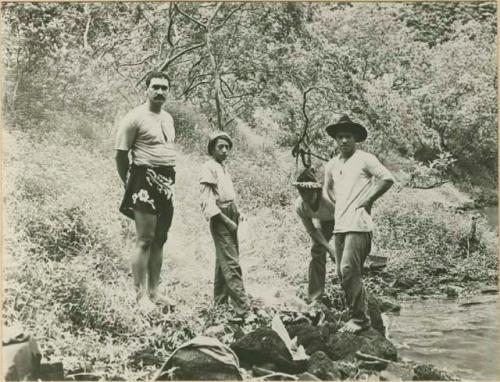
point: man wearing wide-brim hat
(317, 215)
(354, 179)
(219, 207)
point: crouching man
(310, 206)
(219, 207)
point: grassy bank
(66, 273)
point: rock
(312, 338)
(323, 367)
(216, 331)
(438, 270)
(452, 291)
(370, 341)
(428, 372)
(372, 365)
(264, 345)
(489, 290)
(391, 291)
(86, 377)
(397, 372)
(388, 305)
(375, 314)
(307, 377)
(51, 372)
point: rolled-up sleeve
(208, 201)
(377, 169)
(208, 191)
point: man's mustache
(160, 97)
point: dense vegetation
(421, 77)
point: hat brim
(358, 130)
(308, 185)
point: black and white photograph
(264, 191)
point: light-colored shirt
(149, 136)
(325, 212)
(216, 188)
(349, 182)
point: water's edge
(461, 336)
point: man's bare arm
(379, 189)
(122, 164)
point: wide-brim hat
(308, 185)
(307, 180)
(216, 135)
(344, 124)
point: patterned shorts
(149, 189)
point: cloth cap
(214, 136)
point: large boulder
(262, 346)
(345, 345)
(323, 367)
(312, 338)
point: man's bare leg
(156, 259)
(145, 226)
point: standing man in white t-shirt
(147, 134)
(354, 180)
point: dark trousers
(228, 281)
(351, 251)
(317, 266)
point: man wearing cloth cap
(354, 180)
(313, 206)
(147, 134)
(219, 207)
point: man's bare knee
(160, 240)
(144, 242)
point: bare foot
(163, 300)
(145, 305)
(351, 327)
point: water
(461, 339)
(491, 213)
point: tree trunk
(215, 67)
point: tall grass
(67, 277)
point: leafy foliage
(421, 77)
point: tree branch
(171, 14)
(187, 50)
(186, 93)
(136, 63)
(86, 44)
(162, 67)
(434, 185)
(217, 27)
(190, 17)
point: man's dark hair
(156, 74)
(211, 144)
